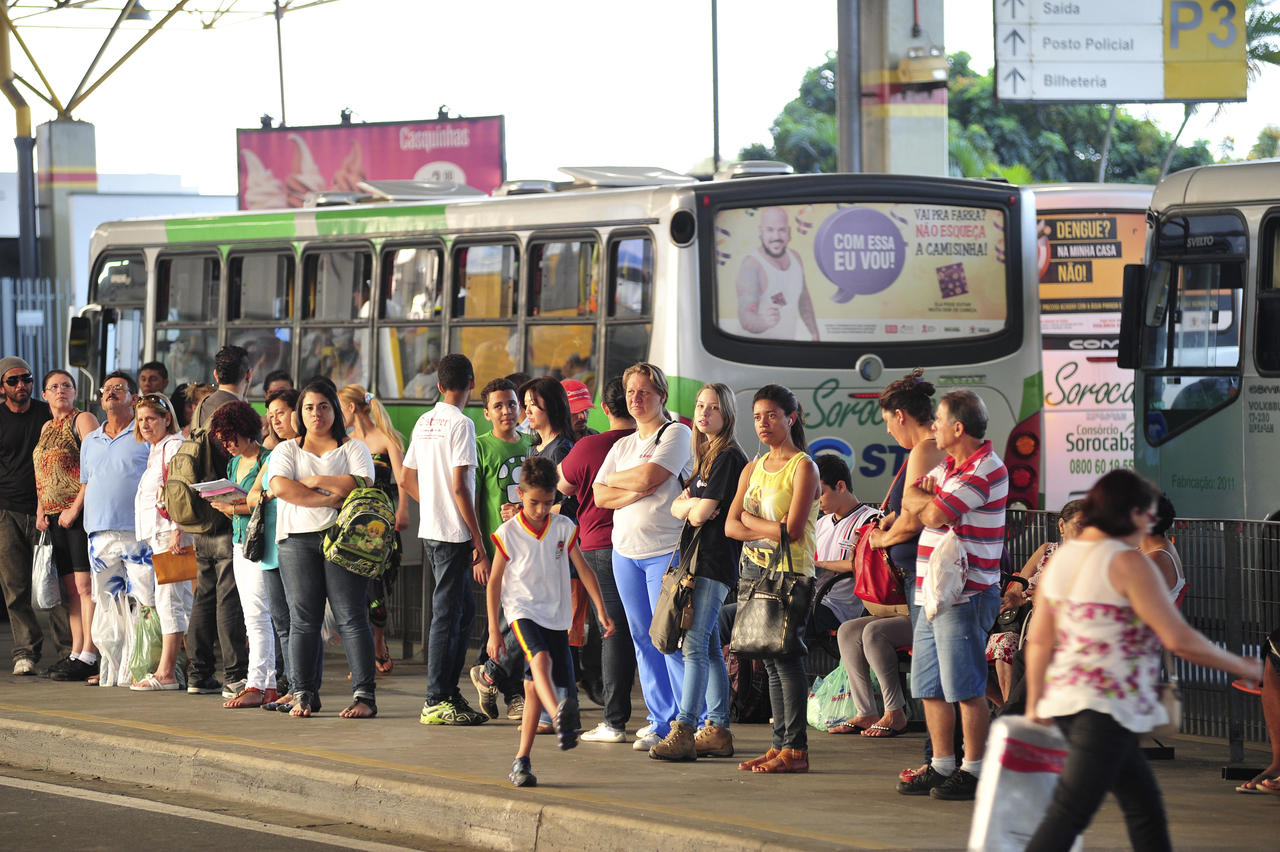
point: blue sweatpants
(661, 675)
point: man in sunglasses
(21, 418)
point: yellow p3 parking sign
(1204, 57)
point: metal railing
(33, 315)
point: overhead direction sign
(1120, 51)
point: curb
(438, 811)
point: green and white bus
(1202, 331)
(830, 284)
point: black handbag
(673, 613)
(771, 616)
(255, 535)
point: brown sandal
(748, 765)
(788, 760)
(250, 696)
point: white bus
(830, 284)
(1202, 330)
(1087, 233)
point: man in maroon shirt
(595, 535)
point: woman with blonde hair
(368, 421)
(717, 463)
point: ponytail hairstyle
(707, 449)
(369, 405)
(786, 400)
(911, 395)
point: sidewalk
(450, 783)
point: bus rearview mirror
(1131, 312)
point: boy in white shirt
(842, 514)
(530, 581)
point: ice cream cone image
(305, 176)
(262, 189)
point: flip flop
(379, 662)
(1270, 785)
(151, 684)
(886, 733)
(845, 728)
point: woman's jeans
(1103, 756)
(661, 675)
(310, 579)
(705, 674)
(279, 620)
(788, 699)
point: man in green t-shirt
(500, 453)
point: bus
(1202, 333)
(1087, 233)
(832, 285)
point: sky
(581, 82)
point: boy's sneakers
(515, 708)
(960, 786)
(567, 722)
(921, 784)
(487, 692)
(451, 711)
(602, 733)
(646, 738)
(207, 685)
(522, 773)
(232, 689)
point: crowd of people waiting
(553, 517)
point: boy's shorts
(535, 639)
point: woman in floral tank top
(61, 498)
(1093, 663)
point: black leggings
(1103, 756)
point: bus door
(109, 334)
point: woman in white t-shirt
(154, 424)
(640, 477)
(312, 475)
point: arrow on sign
(1013, 5)
(1014, 37)
(1014, 76)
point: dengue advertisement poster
(278, 167)
(860, 272)
(1088, 399)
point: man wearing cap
(21, 419)
(580, 406)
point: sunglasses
(106, 389)
(24, 379)
(154, 399)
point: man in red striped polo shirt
(967, 493)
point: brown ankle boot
(677, 745)
(713, 741)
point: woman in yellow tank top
(776, 490)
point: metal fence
(33, 315)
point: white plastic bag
(329, 634)
(44, 575)
(113, 628)
(945, 576)
(1020, 770)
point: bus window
(187, 289)
(408, 361)
(491, 348)
(260, 286)
(564, 280)
(122, 279)
(625, 345)
(411, 283)
(631, 278)
(336, 284)
(187, 352)
(485, 283)
(339, 354)
(1266, 337)
(562, 351)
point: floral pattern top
(1105, 657)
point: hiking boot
(921, 784)
(567, 722)
(515, 708)
(487, 692)
(522, 773)
(713, 741)
(677, 745)
(451, 711)
(960, 786)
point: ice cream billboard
(860, 272)
(278, 167)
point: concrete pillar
(904, 125)
(67, 162)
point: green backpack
(363, 539)
(192, 462)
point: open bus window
(631, 278)
(187, 353)
(339, 354)
(122, 279)
(565, 280)
(408, 359)
(563, 352)
(187, 289)
(260, 286)
(412, 283)
(336, 284)
(485, 284)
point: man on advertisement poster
(772, 293)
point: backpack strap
(658, 439)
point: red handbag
(877, 583)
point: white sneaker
(602, 733)
(646, 730)
(24, 666)
(646, 742)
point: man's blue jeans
(453, 610)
